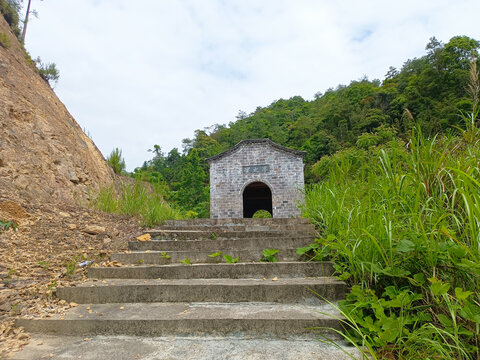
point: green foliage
(186, 261)
(48, 71)
(269, 255)
(359, 119)
(164, 255)
(262, 214)
(116, 161)
(230, 259)
(44, 264)
(401, 216)
(4, 40)
(136, 200)
(213, 236)
(7, 224)
(213, 255)
(10, 10)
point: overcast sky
(135, 73)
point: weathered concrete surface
(201, 256)
(157, 319)
(251, 243)
(182, 348)
(242, 270)
(207, 290)
(238, 222)
(207, 234)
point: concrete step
(283, 290)
(157, 319)
(211, 235)
(169, 347)
(240, 227)
(242, 270)
(251, 243)
(156, 257)
(238, 222)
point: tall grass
(403, 229)
(136, 200)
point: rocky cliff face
(44, 154)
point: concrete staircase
(153, 295)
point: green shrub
(262, 214)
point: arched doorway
(256, 196)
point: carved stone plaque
(256, 169)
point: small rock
(22, 336)
(73, 304)
(144, 237)
(94, 229)
(72, 226)
(275, 279)
(107, 240)
(64, 214)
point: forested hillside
(430, 91)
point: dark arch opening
(256, 196)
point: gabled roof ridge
(256, 141)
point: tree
(116, 161)
(48, 71)
(192, 194)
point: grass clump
(4, 40)
(136, 200)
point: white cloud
(138, 73)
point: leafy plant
(5, 225)
(44, 264)
(213, 255)
(213, 236)
(230, 259)
(186, 261)
(53, 284)
(269, 255)
(164, 255)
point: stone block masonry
(254, 175)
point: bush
(262, 214)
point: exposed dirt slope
(44, 252)
(44, 154)
(47, 168)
